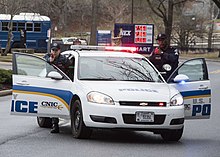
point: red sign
(143, 34)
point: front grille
(140, 103)
(131, 119)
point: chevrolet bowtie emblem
(143, 104)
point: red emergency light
(161, 104)
(121, 48)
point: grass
(7, 58)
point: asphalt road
(21, 136)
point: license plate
(144, 116)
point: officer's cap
(55, 46)
(161, 36)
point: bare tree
(217, 2)
(80, 16)
(211, 25)
(94, 22)
(115, 11)
(190, 23)
(184, 30)
(164, 10)
(12, 8)
(68, 16)
(57, 11)
(71, 16)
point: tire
(172, 135)
(44, 122)
(79, 130)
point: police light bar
(103, 48)
(86, 47)
(121, 48)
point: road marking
(215, 72)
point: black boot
(55, 128)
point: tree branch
(217, 2)
(182, 1)
(152, 8)
(163, 12)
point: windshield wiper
(99, 79)
(140, 80)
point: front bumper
(123, 117)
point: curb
(5, 92)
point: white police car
(109, 89)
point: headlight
(99, 98)
(176, 100)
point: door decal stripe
(65, 96)
(43, 94)
(196, 94)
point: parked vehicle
(35, 25)
(112, 90)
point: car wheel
(79, 130)
(44, 122)
(172, 135)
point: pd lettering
(24, 106)
(201, 109)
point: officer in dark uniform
(54, 57)
(164, 54)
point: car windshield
(117, 69)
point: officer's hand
(52, 57)
(157, 51)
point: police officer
(55, 57)
(77, 42)
(164, 54)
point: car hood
(131, 91)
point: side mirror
(55, 75)
(181, 78)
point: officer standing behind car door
(164, 54)
(62, 63)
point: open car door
(196, 91)
(39, 89)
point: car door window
(195, 69)
(70, 69)
(32, 66)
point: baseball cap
(55, 46)
(161, 36)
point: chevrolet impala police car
(110, 89)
